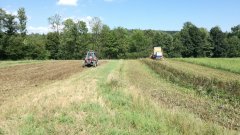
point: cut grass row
(219, 85)
(228, 64)
(131, 112)
(172, 95)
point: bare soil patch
(18, 80)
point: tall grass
(228, 64)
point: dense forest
(70, 39)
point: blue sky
(140, 14)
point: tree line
(71, 39)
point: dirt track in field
(18, 80)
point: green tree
(82, 27)
(69, 39)
(14, 48)
(186, 40)
(2, 19)
(83, 39)
(236, 31)
(12, 43)
(34, 47)
(218, 42)
(3, 39)
(96, 27)
(22, 21)
(177, 46)
(200, 39)
(2, 36)
(52, 45)
(195, 41)
(109, 50)
(10, 24)
(139, 45)
(55, 22)
(233, 49)
(118, 45)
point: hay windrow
(216, 88)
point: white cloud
(40, 29)
(67, 2)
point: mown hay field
(117, 97)
(221, 88)
(228, 64)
